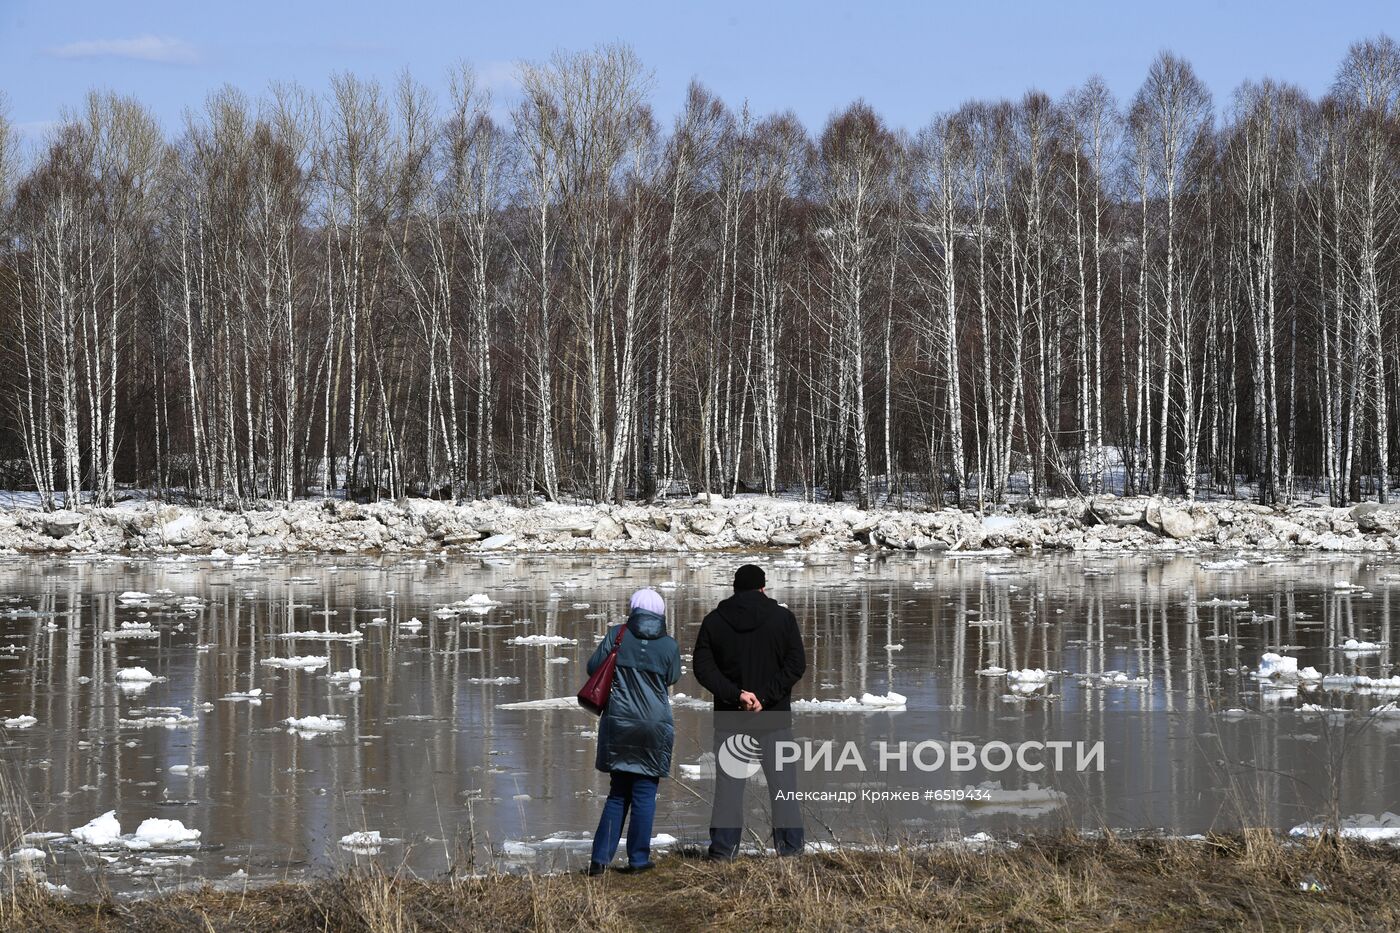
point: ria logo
(740, 756)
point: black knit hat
(749, 577)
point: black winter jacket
(749, 642)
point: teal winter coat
(636, 731)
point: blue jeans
(627, 792)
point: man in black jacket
(749, 654)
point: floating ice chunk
(1233, 563)
(1309, 673)
(541, 640)
(308, 662)
(170, 721)
(133, 596)
(105, 830)
(252, 696)
(349, 675)
(20, 722)
(132, 630)
(1121, 679)
(894, 646)
(135, 675)
(365, 842)
(1030, 675)
(551, 703)
(314, 724)
(1276, 665)
(323, 636)
(1352, 646)
(479, 603)
(868, 702)
(32, 838)
(192, 770)
(992, 671)
(414, 622)
(28, 854)
(1361, 683)
(160, 834)
(493, 681)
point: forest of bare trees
(392, 293)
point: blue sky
(910, 60)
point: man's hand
(750, 702)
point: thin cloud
(163, 49)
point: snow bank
(1104, 524)
(1365, 826)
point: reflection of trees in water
(420, 739)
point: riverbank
(1073, 883)
(1103, 524)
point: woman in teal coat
(636, 731)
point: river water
(428, 748)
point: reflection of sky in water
(426, 757)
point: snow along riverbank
(1105, 523)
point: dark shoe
(713, 856)
(595, 869)
(634, 869)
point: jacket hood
(746, 611)
(646, 624)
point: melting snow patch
(1383, 828)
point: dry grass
(1066, 883)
